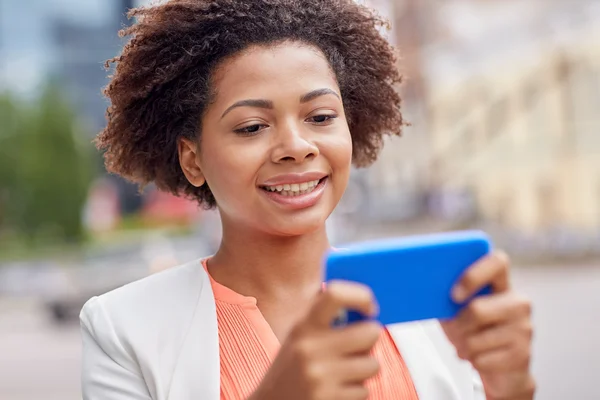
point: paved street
(567, 347)
(37, 361)
(41, 362)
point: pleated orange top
(248, 346)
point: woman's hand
(494, 332)
(320, 362)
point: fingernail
(459, 294)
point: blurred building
(393, 189)
(26, 51)
(67, 42)
(31, 52)
(82, 48)
(513, 112)
(503, 98)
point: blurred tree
(45, 171)
(8, 147)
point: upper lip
(288, 179)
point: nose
(291, 145)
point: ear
(188, 160)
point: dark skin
(274, 253)
(494, 332)
(268, 251)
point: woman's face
(275, 146)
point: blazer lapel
(197, 374)
(428, 367)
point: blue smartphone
(410, 277)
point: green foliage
(44, 169)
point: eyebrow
(317, 93)
(257, 103)
(268, 104)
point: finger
(505, 359)
(339, 296)
(492, 270)
(352, 392)
(355, 369)
(358, 338)
(495, 338)
(484, 312)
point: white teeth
(294, 189)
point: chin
(296, 225)
(299, 230)
(287, 223)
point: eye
(250, 130)
(323, 119)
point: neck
(267, 266)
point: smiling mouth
(294, 189)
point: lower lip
(301, 201)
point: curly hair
(161, 83)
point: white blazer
(157, 339)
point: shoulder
(153, 295)
(134, 317)
(180, 280)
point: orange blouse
(248, 346)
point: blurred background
(504, 101)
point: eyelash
(245, 131)
(328, 118)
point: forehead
(287, 67)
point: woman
(259, 108)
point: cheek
(226, 172)
(339, 152)
(347, 151)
